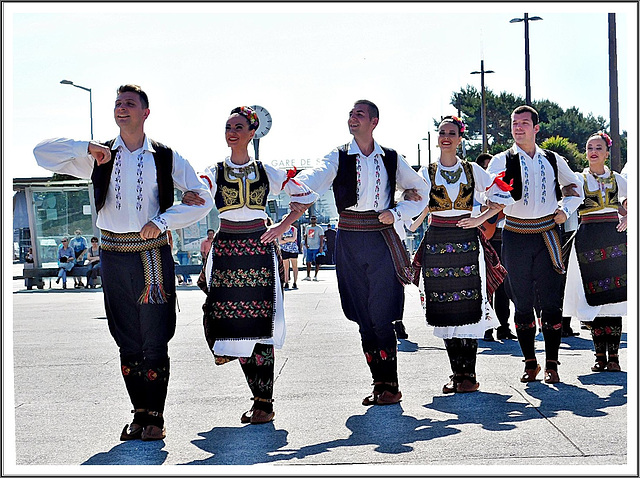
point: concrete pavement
(70, 404)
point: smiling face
(360, 122)
(448, 137)
(129, 113)
(237, 132)
(523, 130)
(597, 154)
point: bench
(34, 276)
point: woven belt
(606, 217)
(361, 221)
(367, 221)
(129, 241)
(446, 221)
(242, 227)
(547, 227)
(149, 250)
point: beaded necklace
(451, 177)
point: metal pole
(418, 154)
(613, 96)
(527, 73)
(91, 113)
(256, 143)
(429, 143)
(483, 110)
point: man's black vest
(163, 158)
(344, 184)
(514, 172)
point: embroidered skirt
(241, 301)
(597, 270)
(451, 275)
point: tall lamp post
(527, 79)
(483, 106)
(68, 82)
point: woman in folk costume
(459, 268)
(596, 287)
(244, 312)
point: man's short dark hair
(483, 157)
(210, 230)
(373, 109)
(527, 109)
(144, 99)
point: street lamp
(527, 79)
(483, 107)
(68, 82)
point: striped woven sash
(242, 227)
(605, 217)
(367, 221)
(547, 227)
(149, 249)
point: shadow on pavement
(131, 453)
(385, 427)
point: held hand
(298, 207)
(570, 190)
(622, 225)
(386, 217)
(469, 223)
(273, 233)
(560, 217)
(101, 154)
(149, 231)
(412, 195)
(495, 205)
(191, 198)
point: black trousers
(141, 331)
(371, 295)
(530, 275)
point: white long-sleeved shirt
(132, 198)
(373, 189)
(538, 185)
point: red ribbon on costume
(498, 181)
(204, 176)
(291, 173)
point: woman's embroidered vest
(593, 200)
(237, 190)
(439, 199)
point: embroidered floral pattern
(464, 271)
(242, 278)
(465, 294)
(376, 199)
(117, 168)
(543, 187)
(450, 248)
(243, 309)
(244, 247)
(525, 180)
(608, 283)
(140, 181)
(602, 254)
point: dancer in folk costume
(134, 179)
(531, 244)
(243, 276)
(596, 288)
(372, 264)
(453, 258)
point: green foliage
(554, 121)
(577, 160)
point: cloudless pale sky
(306, 63)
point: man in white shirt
(372, 264)
(134, 179)
(530, 186)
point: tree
(577, 160)
(554, 121)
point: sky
(306, 63)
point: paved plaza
(68, 403)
